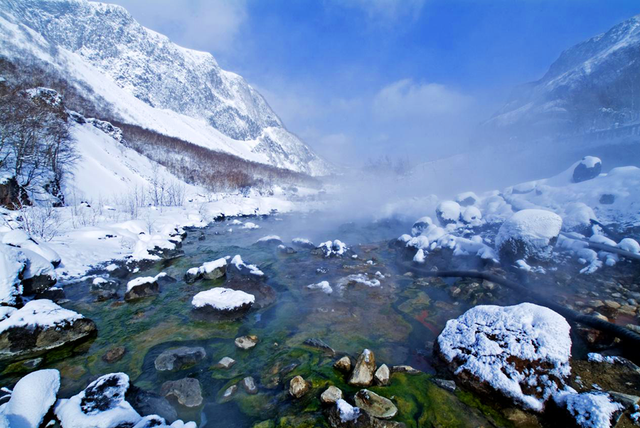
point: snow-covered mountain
(140, 77)
(591, 87)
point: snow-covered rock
(210, 270)
(588, 169)
(448, 212)
(241, 266)
(521, 352)
(224, 300)
(466, 199)
(303, 243)
(355, 279)
(18, 238)
(528, 233)
(31, 399)
(13, 262)
(40, 326)
(590, 410)
(420, 225)
(39, 274)
(269, 240)
(323, 286)
(471, 215)
(630, 245)
(101, 405)
(144, 286)
(335, 248)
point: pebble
(381, 376)
(249, 385)
(225, 363)
(331, 395)
(612, 304)
(246, 342)
(343, 364)
(298, 387)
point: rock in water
(114, 354)
(223, 300)
(249, 385)
(343, 364)
(521, 352)
(589, 168)
(298, 387)
(31, 399)
(101, 404)
(150, 403)
(225, 363)
(187, 391)
(530, 233)
(364, 370)
(317, 343)
(176, 359)
(382, 375)
(246, 342)
(143, 287)
(331, 395)
(41, 326)
(376, 405)
(211, 270)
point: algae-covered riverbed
(397, 319)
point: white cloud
(385, 12)
(408, 100)
(198, 24)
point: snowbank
(12, 264)
(31, 399)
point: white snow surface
(37, 266)
(590, 161)
(40, 312)
(483, 339)
(590, 410)
(19, 238)
(222, 299)
(208, 267)
(323, 286)
(335, 247)
(239, 264)
(12, 264)
(347, 412)
(31, 399)
(449, 210)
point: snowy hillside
(591, 87)
(140, 77)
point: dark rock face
(146, 289)
(587, 171)
(12, 196)
(32, 341)
(37, 284)
(150, 403)
(607, 199)
(176, 359)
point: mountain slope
(148, 81)
(592, 86)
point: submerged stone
(114, 354)
(225, 363)
(176, 359)
(298, 387)
(187, 391)
(246, 342)
(249, 385)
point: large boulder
(31, 399)
(376, 405)
(519, 352)
(589, 168)
(39, 275)
(40, 326)
(528, 234)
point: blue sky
(358, 79)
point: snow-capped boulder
(18, 238)
(269, 240)
(467, 199)
(420, 225)
(520, 352)
(223, 300)
(40, 326)
(471, 215)
(530, 233)
(210, 270)
(589, 168)
(448, 212)
(303, 243)
(39, 275)
(578, 217)
(145, 286)
(12, 265)
(101, 405)
(31, 399)
(335, 248)
(630, 245)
